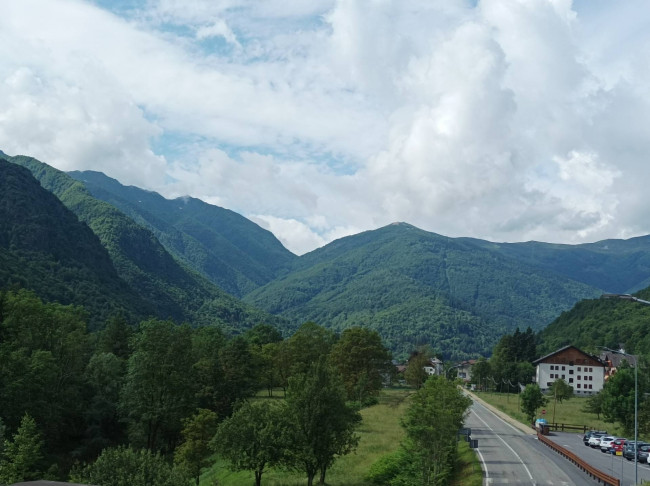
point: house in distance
(584, 372)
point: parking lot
(615, 466)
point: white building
(584, 372)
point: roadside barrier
(600, 476)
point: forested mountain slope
(616, 266)
(416, 287)
(140, 260)
(230, 250)
(44, 247)
(593, 323)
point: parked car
(643, 453)
(588, 435)
(606, 442)
(617, 446)
(629, 449)
(594, 440)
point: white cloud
(504, 120)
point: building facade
(584, 372)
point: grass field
(567, 412)
(380, 433)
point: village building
(584, 372)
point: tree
(254, 437)
(432, 421)
(21, 457)
(159, 389)
(618, 398)
(363, 361)
(122, 466)
(43, 353)
(198, 430)
(262, 334)
(480, 372)
(531, 400)
(207, 343)
(307, 345)
(594, 404)
(415, 375)
(241, 370)
(323, 426)
(560, 390)
(104, 377)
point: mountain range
(115, 248)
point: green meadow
(568, 412)
(380, 433)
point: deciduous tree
(362, 360)
(323, 426)
(432, 421)
(193, 452)
(254, 437)
(159, 389)
(532, 399)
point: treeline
(128, 398)
(510, 366)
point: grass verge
(567, 412)
(468, 468)
(380, 433)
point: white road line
(483, 463)
(508, 446)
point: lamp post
(636, 382)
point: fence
(563, 427)
(606, 479)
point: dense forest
(152, 283)
(228, 249)
(164, 398)
(415, 288)
(174, 259)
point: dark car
(588, 435)
(643, 453)
(629, 449)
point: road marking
(487, 474)
(507, 445)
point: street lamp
(636, 381)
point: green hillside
(616, 266)
(44, 247)
(172, 290)
(230, 250)
(417, 287)
(612, 323)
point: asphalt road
(512, 457)
(613, 465)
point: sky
(506, 120)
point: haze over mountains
(141, 254)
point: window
(563, 377)
(570, 372)
(590, 387)
(548, 384)
(579, 368)
(570, 380)
(563, 367)
(578, 385)
(579, 377)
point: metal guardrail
(597, 474)
(563, 427)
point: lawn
(567, 412)
(380, 433)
